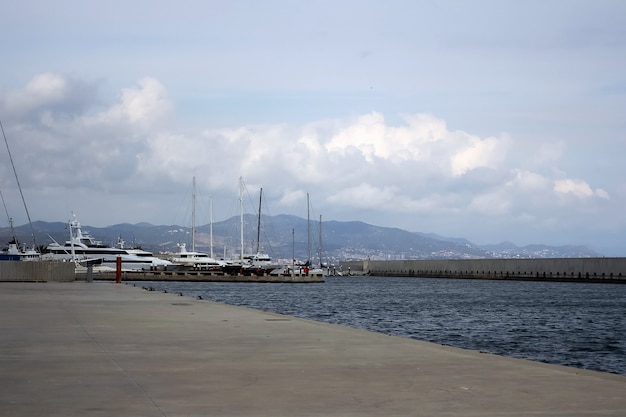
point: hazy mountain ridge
(283, 236)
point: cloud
(415, 173)
(43, 89)
(145, 105)
(579, 189)
(48, 96)
(527, 181)
(492, 203)
(365, 196)
(89, 146)
(476, 152)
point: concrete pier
(106, 349)
(203, 276)
(46, 271)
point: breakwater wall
(611, 270)
(40, 271)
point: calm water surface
(572, 324)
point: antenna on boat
(19, 186)
(8, 217)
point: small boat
(13, 252)
(199, 261)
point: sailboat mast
(193, 216)
(211, 225)
(308, 220)
(241, 217)
(258, 227)
(32, 230)
(321, 263)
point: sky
(488, 120)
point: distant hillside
(510, 250)
(284, 236)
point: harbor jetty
(106, 349)
(48, 271)
(603, 270)
(207, 276)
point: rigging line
(32, 230)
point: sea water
(573, 324)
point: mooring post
(118, 270)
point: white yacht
(82, 247)
(155, 261)
(195, 260)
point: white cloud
(43, 89)
(579, 189)
(576, 188)
(145, 105)
(602, 194)
(413, 173)
(529, 181)
(366, 134)
(476, 153)
(292, 198)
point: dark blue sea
(573, 324)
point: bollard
(89, 275)
(118, 270)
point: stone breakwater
(609, 270)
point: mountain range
(287, 236)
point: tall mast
(308, 220)
(193, 216)
(241, 216)
(211, 225)
(258, 226)
(32, 230)
(321, 263)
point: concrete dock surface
(106, 349)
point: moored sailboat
(200, 261)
